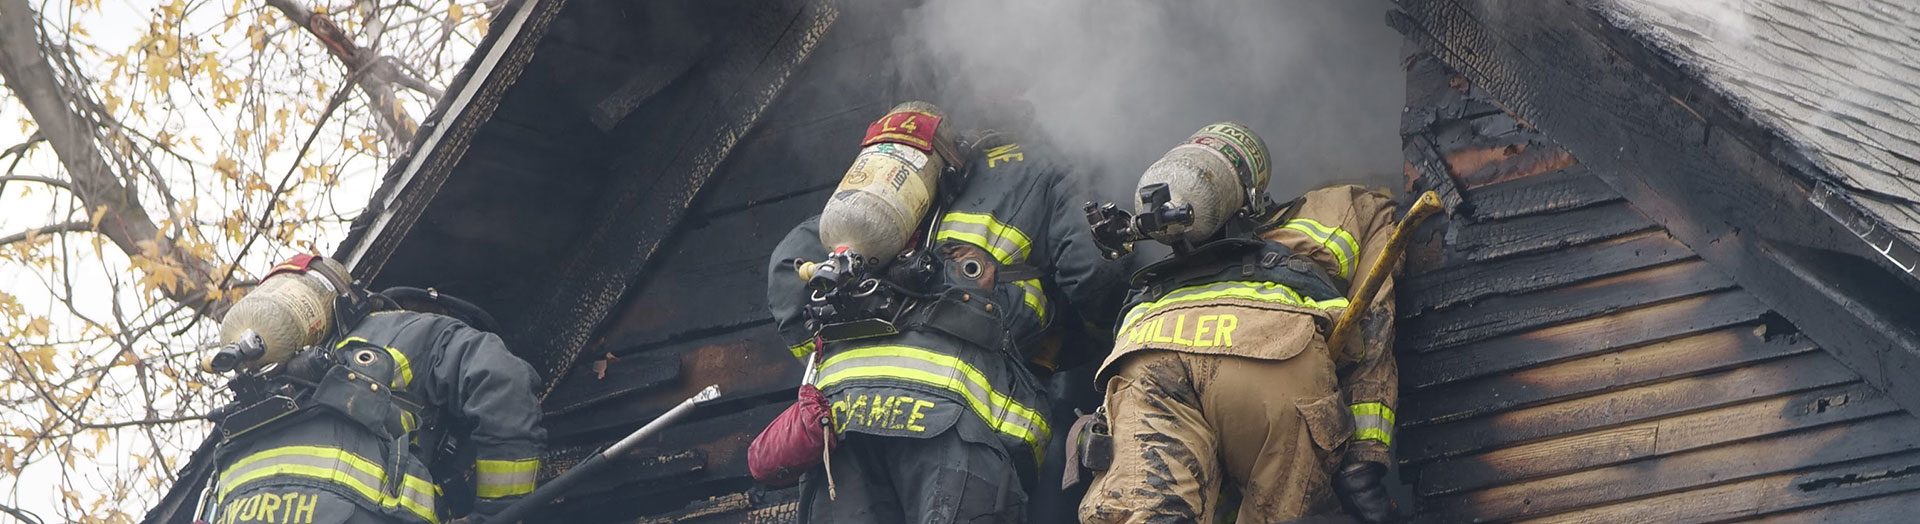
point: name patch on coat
(898, 414)
(271, 508)
(1195, 330)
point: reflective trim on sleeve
(1372, 421)
(334, 465)
(402, 367)
(1260, 291)
(505, 478)
(946, 372)
(1337, 241)
(1007, 243)
(1036, 298)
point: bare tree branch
(24, 67)
(22, 147)
(396, 125)
(55, 182)
(24, 516)
(68, 227)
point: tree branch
(396, 125)
(69, 227)
(55, 182)
(25, 68)
(25, 516)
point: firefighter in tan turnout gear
(1221, 379)
(924, 288)
(349, 409)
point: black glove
(1362, 493)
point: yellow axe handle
(1425, 206)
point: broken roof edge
(510, 37)
(1826, 187)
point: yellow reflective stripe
(1036, 297)
(988, 407)
(402, 367)
(1372, 421)
(1337, 241)
(417, 496)
(1260, 291)
(507, 466)
(1374, 409)
(1373, 434)
(1008, 244)
(505, 478)
(801, 351)
(494, 491)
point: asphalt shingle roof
(1839, 79)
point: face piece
(892, 183)
(1220, 170)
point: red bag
(795, 442)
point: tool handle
(553, 489)
(1426, 205)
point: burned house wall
(696, 314)
(1566, 359)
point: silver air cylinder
(882, 198)
(1217, 170)
(289, 311)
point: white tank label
(911, 156)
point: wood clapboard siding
(698, 316)
(1564, 359)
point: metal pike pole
(598, 461)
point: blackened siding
(1564, 359)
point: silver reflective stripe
(999, 411)
(1261, 291)
(505, 478)
(1008, 244)
(1036, 298)
(354, 477)
(334, 465)
(1372, 421)
(1341, 243)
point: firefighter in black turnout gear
(926, 287)
(346, 412)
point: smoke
(1113, 84)
(1720, 20)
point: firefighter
(1221, 383)
(346, 407)
(926, 285)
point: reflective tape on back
(946, 372)
(340, 467)
(1259, 291)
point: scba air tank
(882, 198)
(1221, 169)
(289, 311)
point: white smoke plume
(1116, 83)
(1724, 21)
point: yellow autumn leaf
(455, 14)
(99, 213)
(41, 358)
(226, 165)
(38, 327)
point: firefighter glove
(1363, 493)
